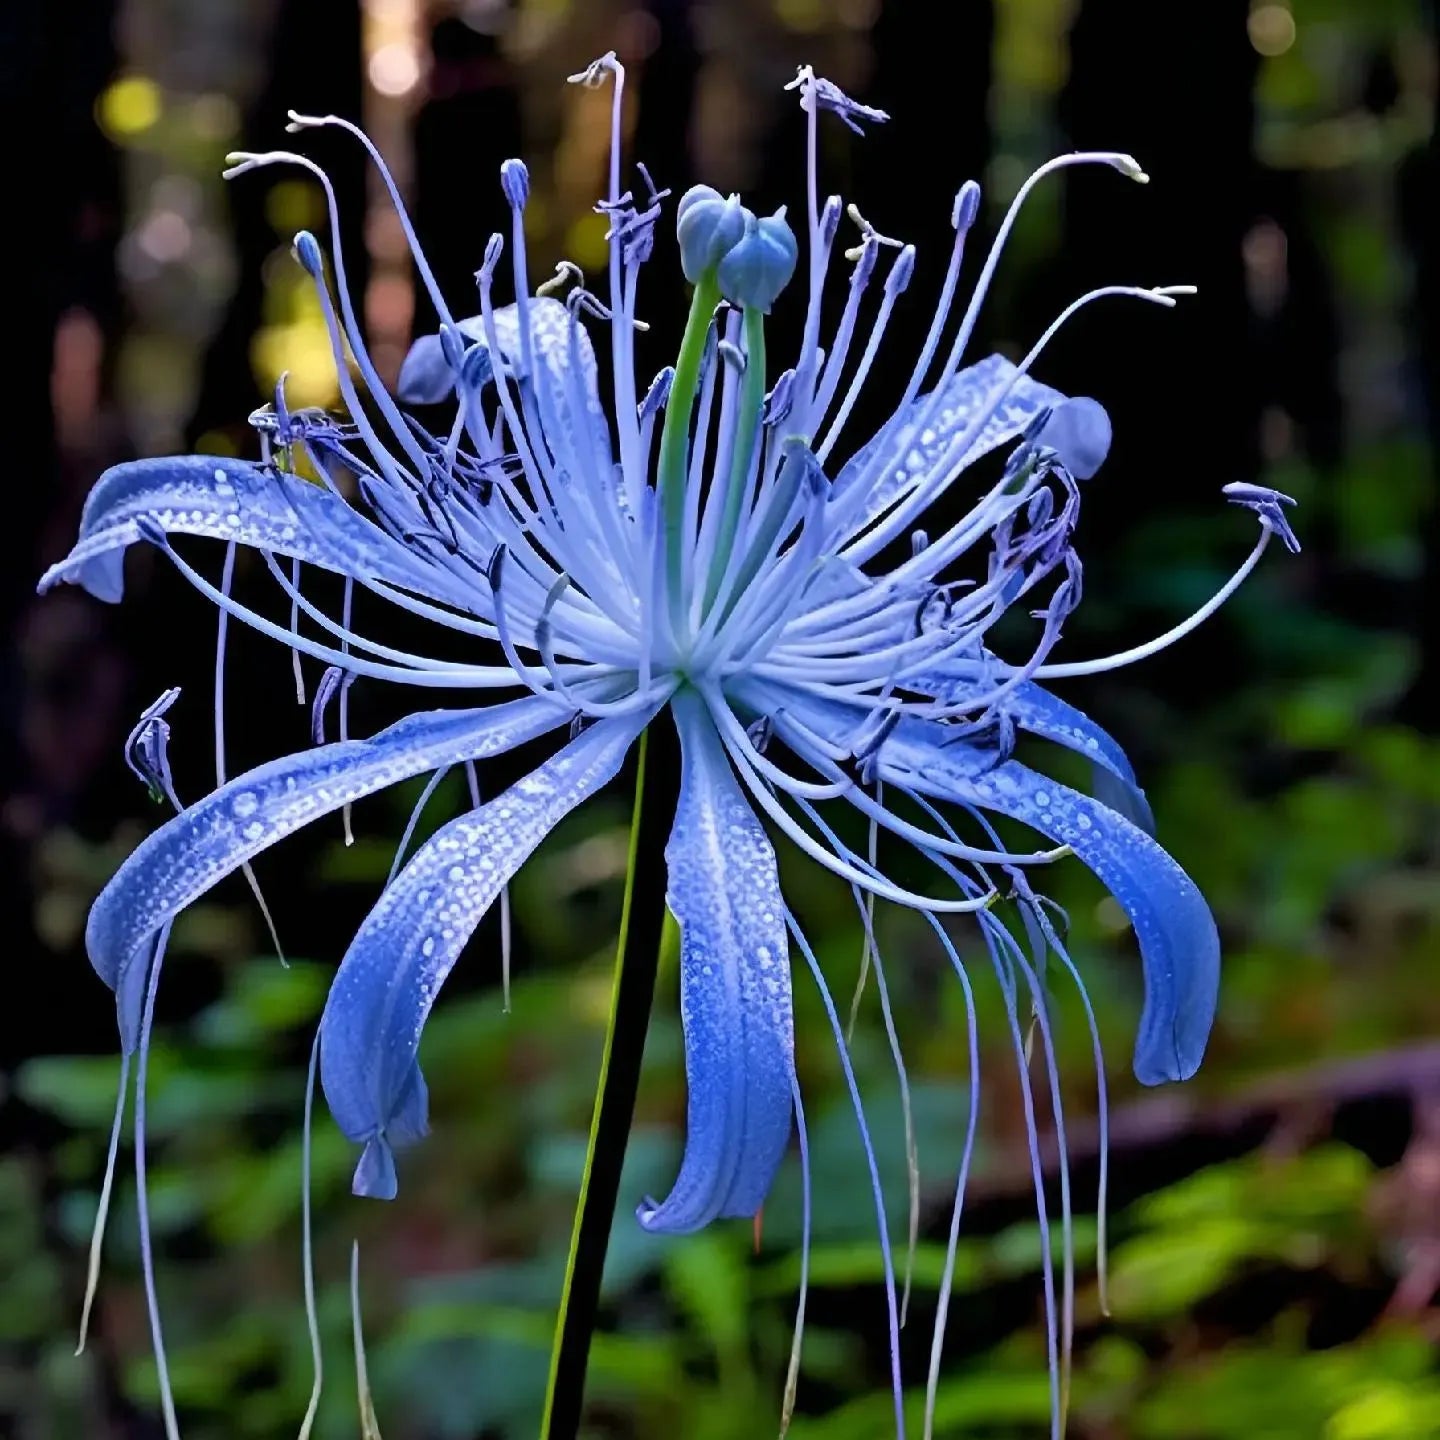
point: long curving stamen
(102, 1209)
(962, 217)
(295, 665)
(1066, 669)
(227, 576)
(998, 939)
(422, 266)
(952, 1239)
(495, 677)
(1102, 1099)
(897, 279)
(622, 357)
(735, 734)
(792, 1370)
(922, 491)
(865, 904)
(892, 1309)
(864, 256)
(142, 1190)
(307, 1246)
(242, 162)
(841, 861)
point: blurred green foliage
(1256, 1296)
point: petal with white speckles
(1179, 945)
(226, 499)
(966, 394)
(735, 998)
(409, 943)
(212, 838)
(1036, 710)
(565, 385)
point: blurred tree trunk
(53, 67)
(314, 65)
(938, 136)
(467, 126)
(1419, 184)
(908, 170)
(1182, 386)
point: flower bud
(756, 270)
(708, 226)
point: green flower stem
(747, 434)
(675, 432)
(636, 961)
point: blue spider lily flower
(721, 547)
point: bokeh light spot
(394, 69)
(585, 241)
(129, 107)
(1272, 29)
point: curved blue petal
(182, 860)
(426, 376)
(1179, 945)
(403, 953)
(1036, 710)
(558, 344)
(1079, 432)
(967, 392)
(734, 990)
(225, 499)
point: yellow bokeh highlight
(300, 350)
(215, 442)
(294, 342)
(292, 205)
(803, 16)
(129, 107)
(585, 241)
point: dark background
(1277, 1246)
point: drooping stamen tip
(757, 269)
(567, 272)
(657, 394)
(779, 400)
(452, 346)
(708, 226)
(901, 272)
(515, 182)
(307, 252)
(966, 207)
(1129, 167)
(475, 367)
(241, 162)
(1268, 506)
(593, 75)
(300, 122)
(816, 92)
(732, 355)
(494, 247)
